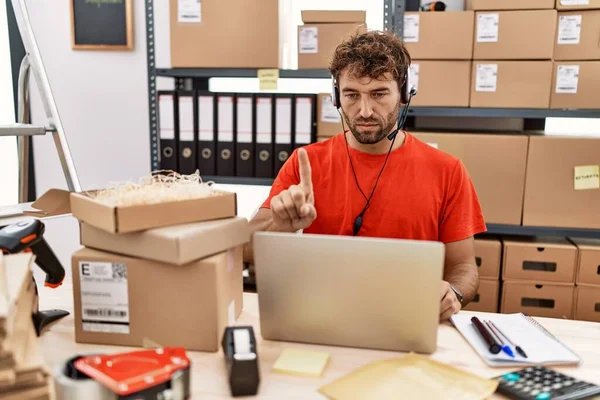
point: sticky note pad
(301, 362)
(587, 177)
(268, 79)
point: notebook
(540, 346)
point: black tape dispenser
(241, 359)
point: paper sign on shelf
(268, 79)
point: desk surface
(208, 370)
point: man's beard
(372, 137)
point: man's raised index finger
(305, 170)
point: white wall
(102, 100)
(9, 180)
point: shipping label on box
(309, 40)
(487, 27)
(567, 79)
(569, 29)
(411, 28)
(486, 78)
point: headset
(407, 91)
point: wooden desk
(208, 369)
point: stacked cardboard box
(496, 164)
(441, 48)
(23, 374)
(576, 72)
(539, 277)
(488, 255)
(322, 32)
(587, 290)
(165, 274)
(329, 119)
(512, 53)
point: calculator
(541, 383)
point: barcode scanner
(28, 236)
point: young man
(360, 182)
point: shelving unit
(393, 20)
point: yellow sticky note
(268, 79)
(587, 177)
(301, 362)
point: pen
(518, 348)
(493, 346)
(505, 347)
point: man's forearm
(465, 277)
(257, 225)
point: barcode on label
(104, 312)
(119, 271)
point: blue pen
(505, 347)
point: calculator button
(518, 386)
(529, 369)
(511, 377)
(535, 392)
(557, 386)
(546, 388)
(547, 383)
(510, 383)
(537, 379)
(538, 386)
(526, 389)
(567, 383)
(543, 396)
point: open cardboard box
(116, 219)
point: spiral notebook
(540, 345)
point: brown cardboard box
(511, 4)
(587, 304)
(486, 299)
(538, 300)
(556, 166)
(441, 83)
(514, 35)
(329, 120)
(584, 4)
(496, 165)
(540, 260)
(578, 37)
(230, 34)
(575, 84)
(177, 244)
(488, 256)
(156, 304)
(439, 35)
(511, 84)
(138, 218)
(588, 261)
(322, 32)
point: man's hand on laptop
(294, 209)
(449, 303)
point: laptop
(349, 291)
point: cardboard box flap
(540, 241)
(53, 202)
(333, 17)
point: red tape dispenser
(160, 374)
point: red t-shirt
(423, 193)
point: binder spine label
(186, 119)
(206, 129)
(263, 121)
(165, 115)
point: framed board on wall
(102, 24)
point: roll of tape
(71, 384)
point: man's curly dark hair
(371, 54)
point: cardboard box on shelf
(496, 165)
(176, 244)
(562, 182)
(537, 299)
(510, 4)
(575, 84)
(488, 257)
(577, 4)
(121, 300)
(486, 299)
(439, 35)
(588, 261)
(514, 35)
(540, 259)
(329, 120)
(587, 303)
(577, 36)
(441, 83)
(511, 84)
(322, 32)
(136, 218)
(251, 34)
